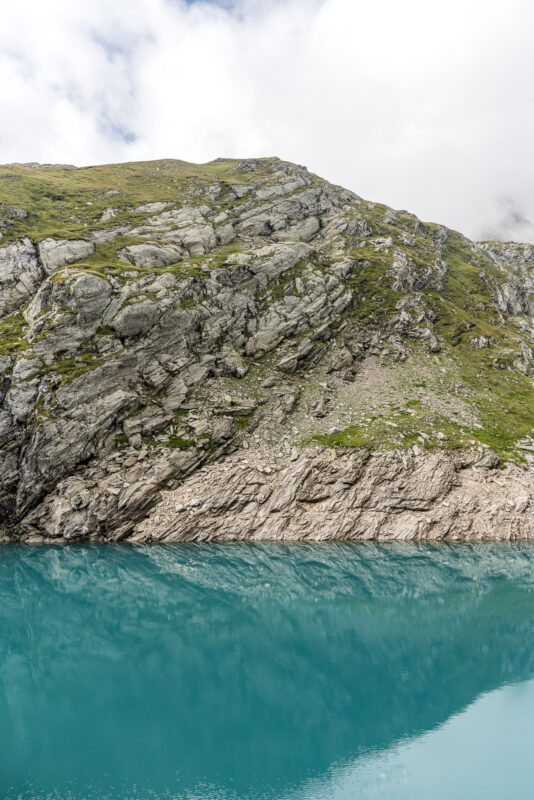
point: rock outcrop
(259, 496)
(20, 274)
(55, 254)
(389, 496)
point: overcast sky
(423, 105)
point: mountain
(241, 349)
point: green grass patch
(374, 299)
(12, 339)
(243, 422)
(68, 369)
(430, 432)
(65, 203)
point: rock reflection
(241, 670)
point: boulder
(57, 253)
(135, 319)
(152, 255)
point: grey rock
(225, 234)
(90, 295)
(104, 236)
(232, 363)
(135, 319)
(20, 399)
(151, 208)
(199, 239)
(300, 231)
(152, 255)
(388, 496)
(108, 214)
(57, 253)
(20, 274)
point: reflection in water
(257, 672)
(483, 752)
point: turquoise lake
(267, 672)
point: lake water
(273, 672)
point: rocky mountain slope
(243, 350)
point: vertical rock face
(20, 274)
(515, 294)
(242, 349)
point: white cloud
(425, 106)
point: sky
(425, 106)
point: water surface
(247, 672)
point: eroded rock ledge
(317, 496)
(389, 495)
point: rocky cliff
(243, 350)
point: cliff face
(241, 349)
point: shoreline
(256, 496)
